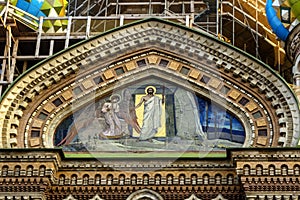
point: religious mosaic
(152, 116)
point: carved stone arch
(296, 169)
(49, 86)
(145, 194)
(151, 74)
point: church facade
(81, 124)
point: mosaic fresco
(150, 117)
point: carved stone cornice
(218, 178)
(268, 172)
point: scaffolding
(239, 22)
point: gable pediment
(152, 48)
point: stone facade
(138, 55)
(240, 174)
(36, 103)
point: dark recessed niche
(243, 101)
(42, 116)
(184, 70)
(119, 71)
(57, 102)
(205, 79)
(98, 80)
(262, 132)
(257, 115)
(35, 133)
(163, 63)
(141, 63)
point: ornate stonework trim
(272, 174)
(70, 197)
(219, 197)
(145, 193)
(96, 197)
(22, 195)
(183, 41)
(154, 60)
(193, 197)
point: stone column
(297, 78)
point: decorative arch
(41, 98)
(145, 193)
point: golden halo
(115, 95)
(150, 86)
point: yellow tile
(262, 140)
(108, 74)
(37, 123)
(49, 107)
(234, 94)
(130, 66)
(214, 83)
(261, 122)
(67, 95)
(173, 65)
(152, 59)
(34, 142)
(194, 74)
(87, 84)
(251, 106)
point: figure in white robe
(110, 110)
(152, 115)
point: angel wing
(81, 120)
(127, 111)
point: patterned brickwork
(241, 174)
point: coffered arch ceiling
(41, 98)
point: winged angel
(112, 119)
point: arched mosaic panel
(154, 53)
(187, 122)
